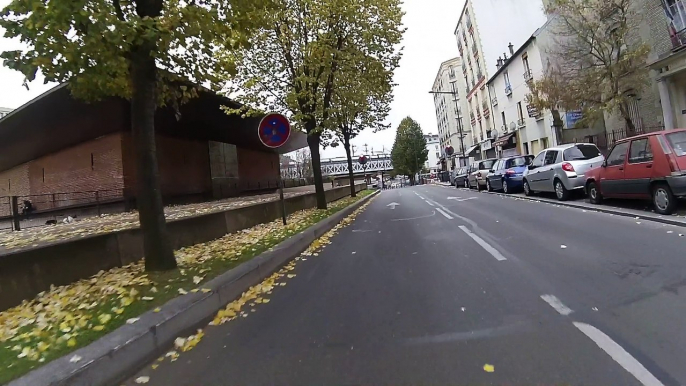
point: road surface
(457, 287)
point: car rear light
(510, 172)
(566, 166)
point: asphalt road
(452, 280)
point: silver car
(561, 169)
(478, 172)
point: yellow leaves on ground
(56, 319)
(489, 368)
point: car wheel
(594, 195)
(527, 189)
(488, 186)
(505, 189)
(663, 199)
(560, 191)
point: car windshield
(678, 142)
(486, 165)
(519, 161)
(581, 152)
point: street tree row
(326, 64)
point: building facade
(485, 28)
(433, 146)
(450, 104)
(665, 32)
(520, 128)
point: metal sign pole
(283, 202)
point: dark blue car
(506, 174)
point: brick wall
(184, 166)
(257, 170)
(15, 181)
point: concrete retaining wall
(26, 272)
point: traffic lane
(396, 307)
(621, 273)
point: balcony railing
(528, 75)
(494, 101)
(474, 50)
(485, 106)
(464, 68)
(521, 122)
(508, 90)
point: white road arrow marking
(393, 205)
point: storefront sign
(572, 117)
(486, 145)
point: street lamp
(459, 120)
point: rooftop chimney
(505, 56)
(511, 47)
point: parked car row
(649, 166)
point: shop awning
(504, 139)
(471, 150)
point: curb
(598, 208)
(120, 353)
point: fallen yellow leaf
(489, 368)
(98, 328)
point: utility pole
(459, 119)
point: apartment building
(485, 28)
(433, 145)
(450, 104)
(520, 128)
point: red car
(648, 166)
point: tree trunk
(313, 142)
(351, 175)
(159, 255)
(630, 128)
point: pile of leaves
(64, 318)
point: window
(527, 69)
(486, 165)
(551, 157)
(581, 152)
(519, 161)
(520, 114)
(438, 155)
(436, 147)
(502, 114)
(618, 154)
(526, 148)
(506, 75)
(678, 142)
(640, 151)
(538, 161)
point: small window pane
(618, 154)
(551, 157)
(678, 142)
(640, 151)
(538, 161)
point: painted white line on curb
(429, 202)
(554, 302)
(449, 217)
(494, 252)
(621, 356)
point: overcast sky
(428, 42)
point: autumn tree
(293, 63)
(594, 64)
(146, 51)
(362, 98)
(409, 151)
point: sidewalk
(82, 227)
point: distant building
(4, 112)
(484, 29)
(450, 104)
(433, 145)
(57, 144)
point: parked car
(460, 179)
(561, 169)
(478, 171)
(506, 174)
(650, 166)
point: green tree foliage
(409, 149)
(293, 64)
(143, 50)
(594, 65)
(362, 97)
